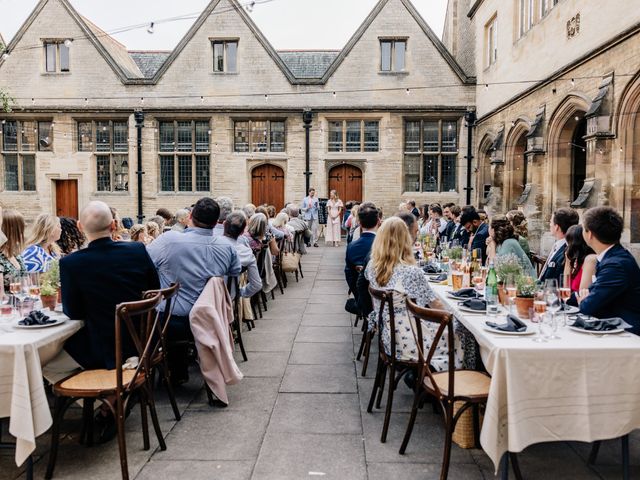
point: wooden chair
(160, 361)
(277, 269)
(233, 285)
(595, 449)
(114, 388)
(538, 262)
(387, 362)
(466, 387)
(298, 239)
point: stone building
(222, 114)
(557, 103)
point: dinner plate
(59, 320)
(470, 310)
(451, 295)
(597, 332)
(502, 332)
(568, 309)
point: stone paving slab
(326, 320)
(321, 354)
(324, 335)
(319, 379)
(197, 470)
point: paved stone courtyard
(300, 412)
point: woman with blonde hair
(11, 262)
(42, 247)
(393, 267)
(353, 224)
(138, 233)
(333, 231)
(153, 231)
(280, 222)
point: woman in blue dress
(42, 247)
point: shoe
(104, 427)
(410, 379)
(315, 245)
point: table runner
(583, 387)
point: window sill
(19, 192)
(54, 74)
(111, 194)
(392, 73)
(223, 73)
(183, 194)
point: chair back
(261, 257)
(167, 295)
(444, 320)
(538, 262)
(298, 240)
(385, 297)
(140, 320)
(233, 285)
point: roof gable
(308, 64)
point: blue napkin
(513, 325)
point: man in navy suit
(561, 220)
(96, 279)
(616, 289)
(471, 222)
(359, 249)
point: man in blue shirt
(310, 206)
(191, 258)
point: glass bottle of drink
(466, 275)
(491, 291)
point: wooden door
(267, 186)
(347, 181)
(67, 198)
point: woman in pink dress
(580, 262)
(334, 219)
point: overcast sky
(287, 24)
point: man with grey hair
(182, 220)
(226, 207)
(298, 226)
(234, 226)
(96, 279)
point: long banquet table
(22, 394)
(582, 387)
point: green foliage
(6, 101)
(526, 286)
(47, 289)
(455, 253)
(507, 265)
(52, 276)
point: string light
(67, 42)
(5, 55)
(408, 91)
(33, 101)
(86, 101)
(201, 99)
(573, 82)
(486, 86)
(266, 98)
(334, 94)
(150, 30)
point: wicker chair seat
(97, 381)
(468, 384)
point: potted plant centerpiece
(506, 266)
(50, 283)
(48, 296)
(526, 286)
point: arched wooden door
(347, 181)
(267, 186)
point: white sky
(287, 24)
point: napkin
(475, 304)
(602, 325)
(465, 293)
(438, 278)
(513, 325)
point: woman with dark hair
(71, 238)
(580, 263)
(503, 241)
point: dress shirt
(248, 260)
(192, 258)
(218, 230)
(310, 208)
(601, 255)
(556, 246)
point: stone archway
(516, 162)
(562, 176)
(484, 181)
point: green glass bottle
(491, 291)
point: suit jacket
(616, 291)
(363, 297)
(357, 251)
(480, 240)
(555, 266)
(94, 280)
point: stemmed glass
(512, 291)
(564, 290)
(539, 308)
(15, 287)
(552, 297)
(34, 285)
(478, 284)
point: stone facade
(557, 112)
(105, 83)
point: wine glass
(478, 283)
(539, 308)
(15, 288)
(512, 291)
(34, 285)
(552, 298)
(564, 290)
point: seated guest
(96, 279)
(502, 241)
(127, 222)
(167, 218)
(153, 231)
(298, 226)
(414, 210)
(226, 207)
(519, 222)
(393, 266)
(615, 291)
(423, 218)
(42, 246)
(561, 220)
(71, 238)
(478, 231)
(454, 229)
(280, 222)
(358, 250)
(191, 258)
(274, 232)
(182, 219)
(271, 210)
(257, 236)
(11, 262)
(580, 260)
(158, 220)
(119, 233)
(249, 209)
(352, 225)
(234, 226)
(436, 224)
(139, 233)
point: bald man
(96, 279)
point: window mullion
(420, 150)
(176, 172)
(20, 173)
(361, 135)
(344, 136)
(439, 162)
(193, 172)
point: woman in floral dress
(334, 212)
(11, 263)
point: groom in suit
(561, 220)
(616, 289)
(358, 250)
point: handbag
(290, 259)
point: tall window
(259, 136)
(185, 164)
(56, 57)
(225, 56)
(491, 41)
(430, 158)
(546, 6)
(525, 16)
(393, 54)
(354, 136)
(18, 154)
(109, 142)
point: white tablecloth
(583, 387)
(22, 394)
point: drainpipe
(307, 118)
(470, 118)
(139, 116)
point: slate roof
(308, 63)
(149, 62)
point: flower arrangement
(506, 265)
(455, 253)
(526, 286)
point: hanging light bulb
(67, 42)
(5, 55)
(249, 6)
(573, 82)
(141, 100)
(513, 124)
(86, 101)
(334, 94)
(408, 91)
(33, 101)
(201, 99)
(486, 86)
(150, 29)
(53, 124)
(209, 132)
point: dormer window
(56, 57)
(393, 54)
(225, 56)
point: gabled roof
(308, 63)
(149, 62)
